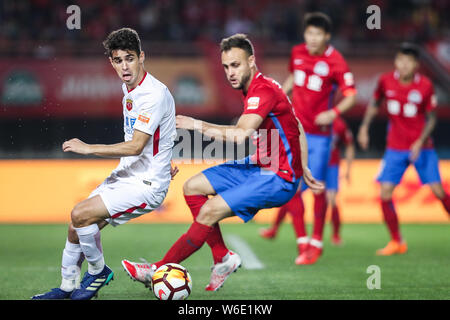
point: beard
(243, 81)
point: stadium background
(56, 84)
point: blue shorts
(247, 188)
(332, 182)
(319, 150)
(395, 163)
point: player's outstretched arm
(363, 132)
(327, 117)
(133, 147)
(244, 128)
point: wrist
(336, 111)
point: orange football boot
(393, 247)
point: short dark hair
(122, 39)
(409, 49)
(318, 20)
(238, 40)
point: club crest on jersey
(253, 103)
(414, 96)
(129, 104)
(321, 68)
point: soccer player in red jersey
(268, 178)
(342, 136)
(317, 70)
(411, 103)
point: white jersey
(149, 108)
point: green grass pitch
(31, 257)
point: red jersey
(277, 138)
(407, 105)
(341, 135)
(316, 79)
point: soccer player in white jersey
(140, 182)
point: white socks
(91, 246)
(72, 259)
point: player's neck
(139, 79)
(407, 79)
(320, 51)
(249, 81)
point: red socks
(297, 211)
(187, 244)
(215, 239)
(335, 219)
(391, 219)
(320, 210)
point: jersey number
(314, 82)
(394, 108)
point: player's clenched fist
(75, 145)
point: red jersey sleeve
(344, 78)
(261, 101)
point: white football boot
(142, 272)
(222, 270)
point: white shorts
(128, 199)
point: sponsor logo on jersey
(129, 104)
(298, 61)
(253, 103)
(390, 93)
(144, 118)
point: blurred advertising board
(45, 191)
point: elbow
(136, 150)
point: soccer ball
(171, 282)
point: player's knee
(189, 187)
(385, 195)
(438, 190)
(208, 214)
(79, 216)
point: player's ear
(251, 61)
(327, 36)
(142, 57)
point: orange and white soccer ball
(171, 282)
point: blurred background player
(411, 103)
(140, 182)
(342, 135)
(317, 69)
(266, 179)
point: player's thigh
(198, 184)
(319, 148)
(393, 166)
(89, 211)
(214, 210)
(127, 200)
(427, 167)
